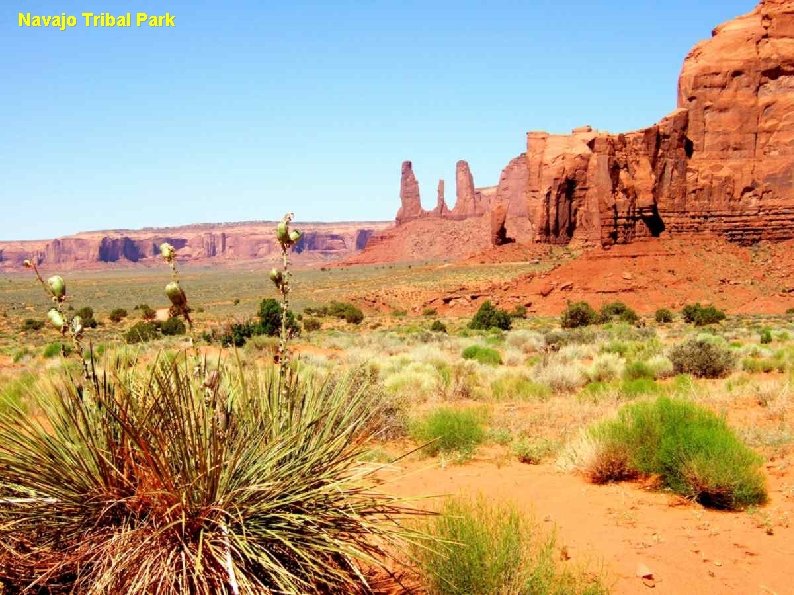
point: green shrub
(488, 316)
(32, 324)
(520, 311)
(578, 314)
(438, 327)
(638, 387)
(483, 355)
(117, 315)
(345, 311)
(141, 332)
(270, 319)
(618, 311)
(702, 315)
(638, 369)
(689, 448)
(311, 324)
(86, 315)
(702, 358)
(485, 549)
(173, 326)
(450, 430)
(56, 348)
(766, 336)
(663, 316)
(399, 313)
(429, 312)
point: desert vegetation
(599, 394)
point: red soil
(645, 275)
(621, 527)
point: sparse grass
(484, 549)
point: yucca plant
(182, 479)
(161, 484)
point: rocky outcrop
(210, 244)
(410, 201)
(441, 209)
(722, 162)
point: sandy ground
(629, 529)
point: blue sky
(247, 109)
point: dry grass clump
(485, 549)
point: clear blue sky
(248, 108)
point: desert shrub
(86, 314)
(429, 312)
(117, 315)
(765, 336)
(526, 341)
(141, 332)
(702, 315)
(763, 365)
(438, 327)
(270, 319)
(449, 430)
(147, 313)
(343, 310)
(702, 358)
(173, 326)
(399, 313)
(573, 336)
(578, 314)
(519, 311)
(663, 316)
(688, 447)
(605, 366)
(311, 324)
(789, 311)
(483, 355)
(32, 324)
(660, 366)
(618, 311)
(489, 316)
(631, 388)
(56, 348)
(533, 451)
(560, 376)
(638, 369)
(485, 549)
(518, 387)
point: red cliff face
(722, 162)
(210, 244)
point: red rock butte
(721, 163)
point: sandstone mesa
(721, 163)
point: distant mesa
(721, 163)
(222, 244)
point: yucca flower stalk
(55, 288)
(287, 238)
(173, 290)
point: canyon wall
(209, 244)
(722, 162)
